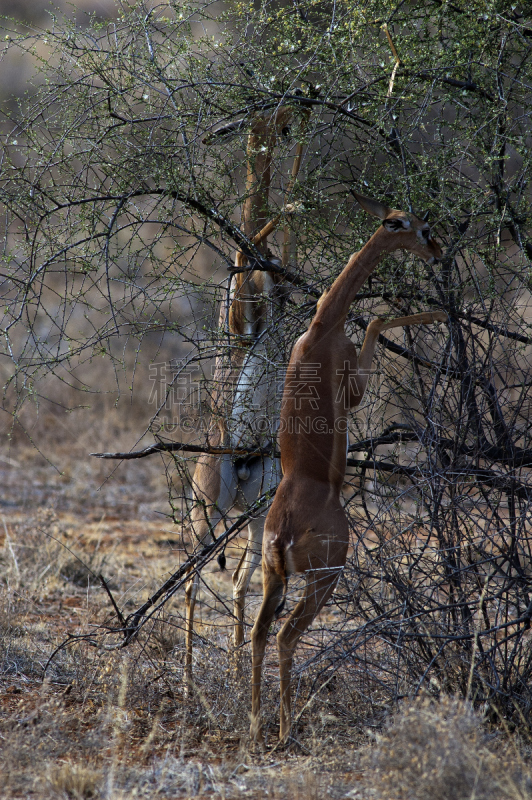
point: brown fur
(306, 529)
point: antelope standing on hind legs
(306, 530)
(220, 483)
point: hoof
(256, 736)
(257, 747)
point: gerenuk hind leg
(273, 586)
(319, 587)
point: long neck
(261, 142)
(245, 311)
(334, 305)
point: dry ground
(117, 724)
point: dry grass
(75, 781)
(441, 751)
(118, 724)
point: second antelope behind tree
(306, 530)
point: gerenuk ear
(373, 206)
